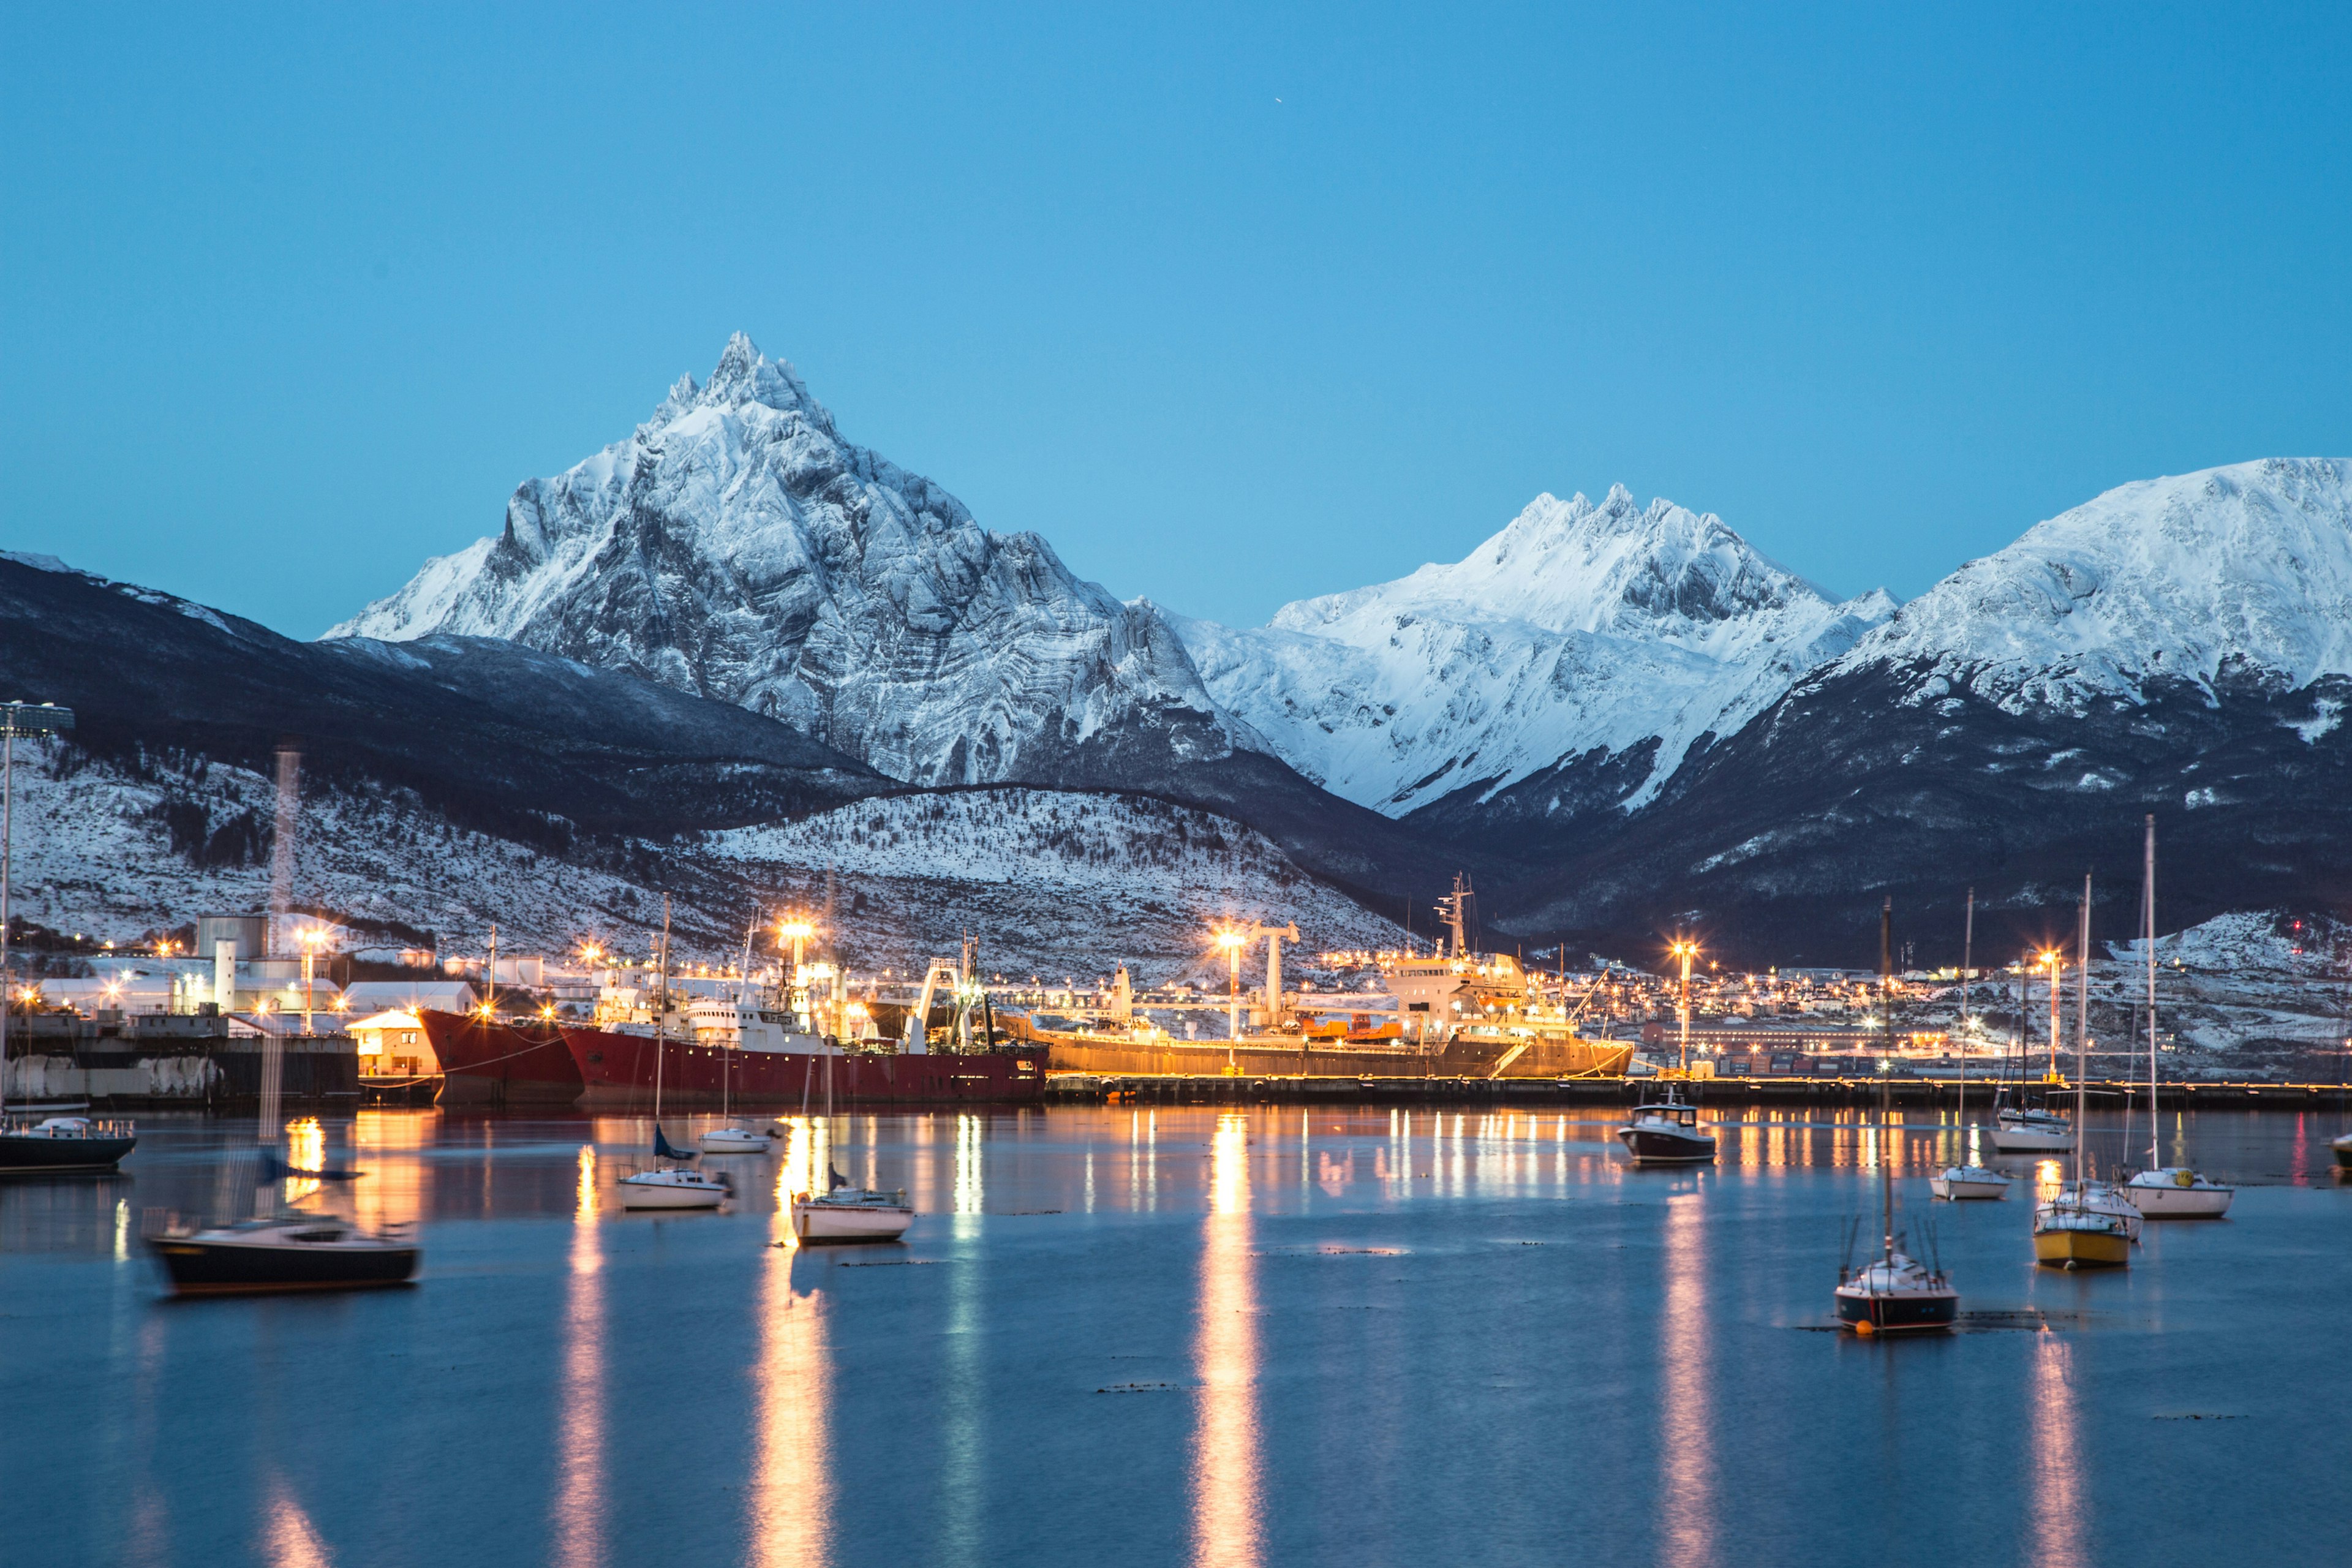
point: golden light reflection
(579, 1514)
(788, 1505)
(1225, 1479)
(306, 1150)
(2055, 1501)
(288, 1540)
(1685, 1450)
(970, 1190)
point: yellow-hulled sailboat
(2075, 1229)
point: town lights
(590, 953)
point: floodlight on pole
(15, 719)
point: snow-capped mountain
(737, 547)
(1603, 638)
(2232, 574)
(2180, 647)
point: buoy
(2184, 1178)
(1865, 1327)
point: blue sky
(1233, 306)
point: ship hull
(2065, 1247)
(198, 1267)
(1263, 1058)
(1902, 1312)
(483, 1062)
(1650, 1147)
(28, 1153)
(617, 1073)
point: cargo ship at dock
(1458, 1014)
(618, 1066)
(490, 1061)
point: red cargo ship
(486, 1062)
(618, 1071)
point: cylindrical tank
(248, 932)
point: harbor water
(1351, 1336)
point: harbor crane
(1233, 939)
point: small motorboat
(2176, 1192)
(1958, 1184)
(1666, 1132)
(1896, 1294)
(851, 1213)
(2069, 1233)
(289, 1252)
(2031, 1131)
(673, 1187)
(736, 1139)
(66, 1143)
(2343, 1147)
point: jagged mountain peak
(736, 547)
(1615, 567)
(1613, 632)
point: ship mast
(2081, 1029)
(2147, 935)
(1886, 1075)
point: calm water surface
(1350, 1337)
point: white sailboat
(735, 1137)
(2162, 1191)
(843, 1213)
(1967, 1181)
(2033, 1129)
(671, 1186)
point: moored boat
(851, 1215)
(65, 1143)
(1666, 1132)
(1962, 1184)
(1895, 1294)
(618, 1066)
(673, 1187)
(2176, 1192)
(286, 1252)
(491, 1061)
(2069, 1234)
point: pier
(1263, 1088)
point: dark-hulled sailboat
(1894, 1293)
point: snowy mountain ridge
(1581, 630)
(2242, 571)
(736, 547)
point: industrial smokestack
(281, 848)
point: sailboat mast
(1886, 1074)
(661, 1018)
(1968, 973)
(2147, 935)
(2082, 1026)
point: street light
(15, 719)
(1686, 950)
(1232, 941)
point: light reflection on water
(1224, 1441)
(578, 1514)
(1348, 1336)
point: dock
(1067, 1088)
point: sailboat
(1967, 1179)
(1896, 1293)
(2033, 1129)
(2162, 1191)
(2079, 1228)
(671, 1186)
(280, 1250)
(735, 1137)
(843, 1213)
